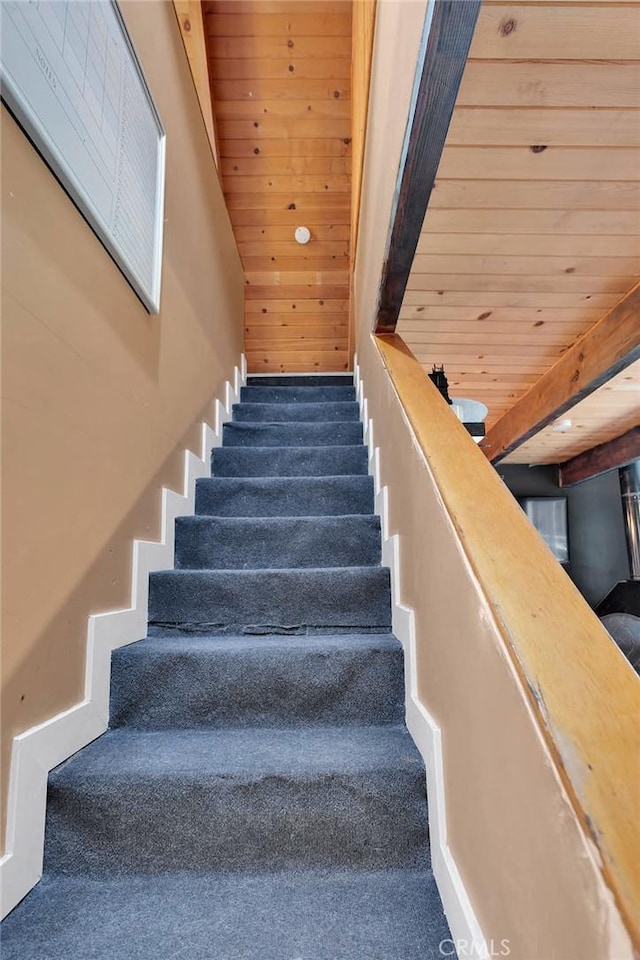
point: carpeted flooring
(257, 796)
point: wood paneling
(288, 167)
(541, 32)
(280, 48)
(558, 128)
(284, 306)
(533, 244)
(533, 227)
(264, 292)
(531, 83)
(277, 215)
(577, 223)
(363, 30)
(562, 163)
(287, 19)
(514, 194)
(190, 18)
(364, 15)
(325, 69)
(497, 298)
(280, 75)
(307, 149)
(265, 109)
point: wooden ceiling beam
(445, 54)
(190, 18)
(605, 456)
(603, 351)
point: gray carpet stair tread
(271, 681)
(291, 434)
(294, 412)
(298, 461)
(232, 543)
(293, 915)
(239, 752)
(312, 597)
(290, 394)
(284, 496)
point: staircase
(257, 796)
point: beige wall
(524, 859)
(98, 396)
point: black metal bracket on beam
(447, 47)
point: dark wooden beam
(606, 456)
(445, 55)
(603, 351)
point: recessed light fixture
(561, 425)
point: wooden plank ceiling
(280, 79)
(532, 231)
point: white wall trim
(463, 923)
(43, 747)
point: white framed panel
(71, 78)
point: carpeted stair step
(236, 543)
(305, 380)
(271, 600)
(295, 412)
(206, 682)
(283, 496)
(292, 915)
(259, 798)
(289, 461)
(296, 394)
(291, 434)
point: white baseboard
(43, 747)
(463, 923)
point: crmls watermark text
(479, 950)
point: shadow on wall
(597, 544)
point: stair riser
(330, 380)
(294, 497)
(231, 822)
(295, 412)
(285, 686)
(278, 601)
(227, 544)
(297, 394)
(291, 435)
(289, 461)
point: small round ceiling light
(302, 235)
(561, 425)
